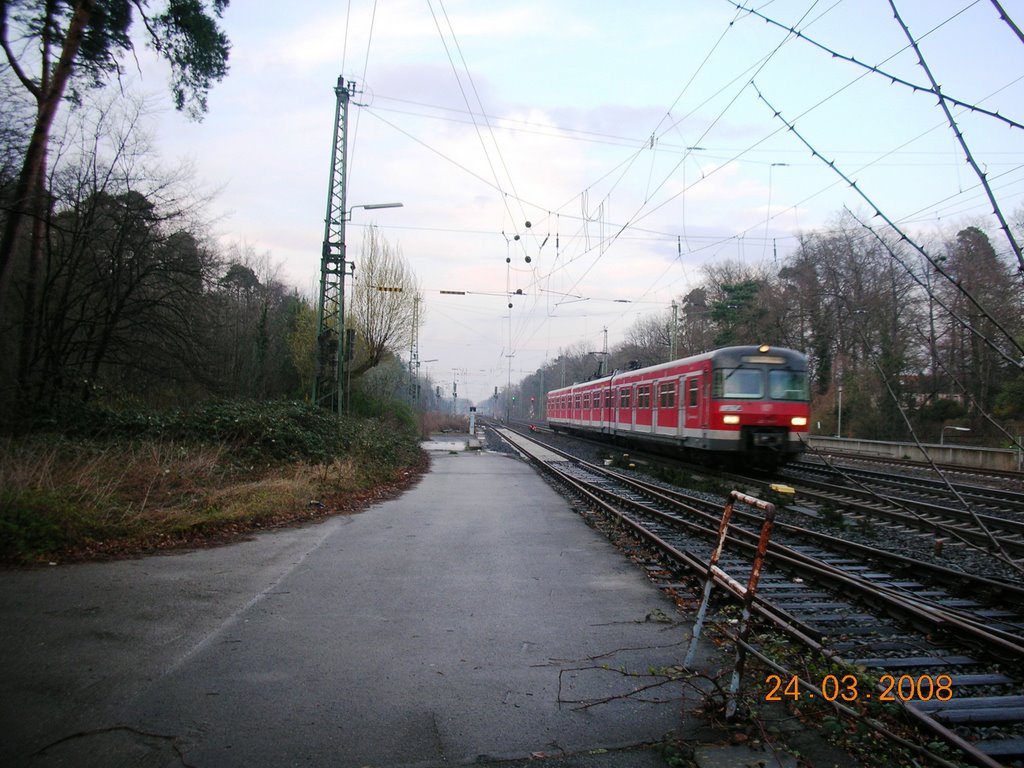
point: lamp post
(942, 433)
(839, 421)
(332, 345)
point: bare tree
(63, 38)
(118, 296)
(383, 308)
(647, 342)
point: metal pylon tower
(329, 382)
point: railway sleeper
(916, 661)
(1003, 749)
(979, 710)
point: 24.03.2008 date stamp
(845, 688)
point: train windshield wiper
(731, 372)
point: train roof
(725, 357)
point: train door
(653, 397)
(667, 400)
(626, 407)
(677, 427)
(633, 407)
(694, 405)
(608, 414)
(644, 415)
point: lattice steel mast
(329, 382)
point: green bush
(258, 432)
(103, 479)
(33, 522)
(942, 410)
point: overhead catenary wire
(876, 69)
(763, 63)
(476, 95)
(943, 102)
(1004, 16)
(571, 259)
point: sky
(594, 155)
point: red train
(748, 403)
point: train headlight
(731, 418)
(798, 421)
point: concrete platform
(538, 452)
(467, 621)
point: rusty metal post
(716, 553)
(748, 601)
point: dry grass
(433, 422)
(69, 500)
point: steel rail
(785, 622)
(928, 613)
(981, 495)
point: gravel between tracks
(874, 533)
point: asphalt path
(465, 621)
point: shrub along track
(944, 646)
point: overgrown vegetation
(115, 481)
(431, 423)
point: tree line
(129, 296)
(914, 338)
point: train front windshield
(788, 385)
(750, 383)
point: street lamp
(373, 207)
(942, 433)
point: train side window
(579, 401)
(643, 396)
(624, 397)
(694, 388)
(586, 399)
(667, 394)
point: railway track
(948, 515)
(947, 644)
(914, 503)
(998, 501)
(1012, 477)
(933, 502)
